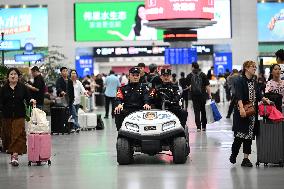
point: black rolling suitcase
(269, 143)
(100, 99)
(59, 120)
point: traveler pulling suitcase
(39, 139)
(269, 143)
(59, 120)
(39, 148)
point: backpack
(150, 80)
(196, 84)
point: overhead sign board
(129, 51)
(29, 57)
(144, 51)
(180, 55)
(10, 45)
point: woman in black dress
(245, 127)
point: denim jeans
(74, 113)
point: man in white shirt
(79, 90)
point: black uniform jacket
(132, 96)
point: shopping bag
(38, 122)
(209, 112)
(216, 114)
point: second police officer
(169, 92)
(130, 98)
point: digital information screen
(180, 55)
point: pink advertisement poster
(176, 9)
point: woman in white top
(79, 90)
(139, 30)
(275, 84)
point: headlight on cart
(168, 125)
(132, 126)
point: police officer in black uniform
(130, 98)
(168, 91)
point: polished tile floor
(88, 160)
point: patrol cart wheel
(124, 151)
(179, 150)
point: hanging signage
(144, 51)
(222, 61)
(10, 45)
(84, 65)
(129, 51)
(204, 49)
(180, 35)
(176, 9)
(29, 57)
(180, 55)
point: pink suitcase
(39, 148)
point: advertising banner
(222, 61)
(29, 25)
(180, 55)
(113, 21)
(270, 17)
(175, 9)
(84, 65)
(222, 29)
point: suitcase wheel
(49, 163)
(38, 163)
(257, 164)
(30, 163)
(280, 164)
(265, 164)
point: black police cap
(166, 72)
(134, 70)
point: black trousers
(182, 116)
(237, 145)
(119, 118)
(231, 106)
(109, 100)
(199, 107)
(185, 100)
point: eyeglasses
(252, 66)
